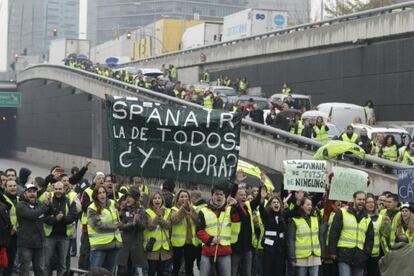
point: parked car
(343, 114)
(300, 100)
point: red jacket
(208, 249)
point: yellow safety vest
(173, 73)
(353, 139)
(160, 235)
(242, 85)
(409, 237)
(69, 228)
(257, 242)
(206, 77)
(179, 231)
(408, 159)
(377, 226)
(286, 90)
(208, 101)
(330, 221)
(108, 216)
(198, 209)
(236, 226)
(13, 217)
(218, 226)
(300, 128)
(227, 82)
(321, 134)
(84, 219)
(353, 233)
(307, 238)
(390, 153)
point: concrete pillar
(189, 74)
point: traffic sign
(10, 99)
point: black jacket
(5, 223)
(275, 230)
(352, 256)
(257, 116)
(59, 205)
(365, 143)
(30, 218)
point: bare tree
(351, 6)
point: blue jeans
(307, 270)
(104, 258)
(32, 256)
(223, 264)
(347, 270)
(56, 250)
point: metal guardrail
(137, 91)
(298, 28)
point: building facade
(107, 19)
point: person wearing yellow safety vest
(405, 225)
(376, 218)
(214, 231)
(274, 237)
(10, 195)
(133, 220)
(103, 230)
(58, 230)
(389, 223)
(137, 182)
(208, 99)
(349, 135)
(173, 73)
(351, 238)
(220, 81)
(157, 243)
(177, 90)
(86, 200)
(408, 156)
(389, 151)
(286, 89)
(110, 184)
(206, 77)
(183, 232)
(243, 85)
(227, 81)
(304, 240)
(296, 125)
(320, 131)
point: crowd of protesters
(240, 229)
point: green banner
(10, 99)
(346, 182)
(182, 143)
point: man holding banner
(351, 238)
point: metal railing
(297, 28)
(157, 96)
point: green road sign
(10, 99)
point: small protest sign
(167, 141)
(305, 175)
(406, 185)
(346, 182)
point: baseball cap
(30, 186)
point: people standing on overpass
(227, 81)
(408, 156)
(173, 73)
(31, 214)
(296, 125)
(320, 131)
(59, 229)
(236, 84)
(349, 135)
(206, 77)
(286, 89)
(369, 110)
(208, 99)
(243, 86)
(366, 144)
(351, 238)
(389, 151)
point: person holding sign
(351, 238)
(157, 235)
(305, 236)
(405, 225)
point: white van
(402, 137)
(343, 114)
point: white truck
(253, 22)
(60, 49)
(202, 34)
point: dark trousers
(11, 253)
(85, 249)
(372, 267)
(330, 269)
(274, 264)
(32, 256)
(189, 252)
(156, 268)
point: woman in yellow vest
(320, 131)
(405, 225)
(103, 230)
(183, 233)
(157, 235)
(389, 151)
(371, 206)
(305, 249)
(408, 156)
